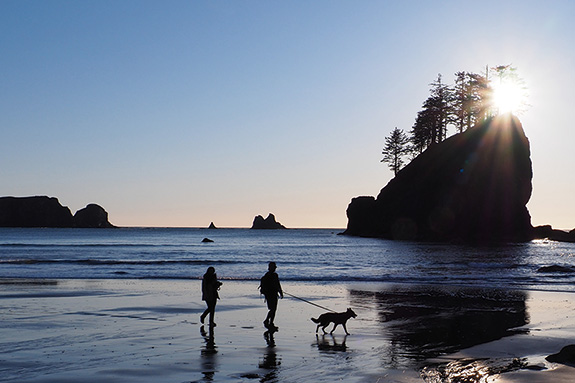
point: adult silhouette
(210, 287)
(271, 288)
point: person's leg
(205, 313)
(272, 307)
(212, 310)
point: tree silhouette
(395, 149)
(470, 94)
(431, 123)
(461, 106)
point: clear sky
(180, 113)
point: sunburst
(509, 94)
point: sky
(181, 113)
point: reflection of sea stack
(566, 355)
(268, 223)
(474, 187)
(212, 226)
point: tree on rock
(469, 103)
(395, 149)
(431, 123)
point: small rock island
(268, 223)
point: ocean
(316, 255)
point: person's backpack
(266, 284)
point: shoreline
(123, 330)
(370, 283)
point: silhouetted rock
(92, 216)
(39, 211)
(542, 232)
(43, 211)
(556, 269)
(547, 232)
(565, 356)
(268, 223)
(212, 226)
(207, 240)
(472, 187)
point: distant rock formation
(34, 212)
(212, 226)
(43, 211)
(547, 232)
(473, 187)
(268, 223)
(92, 216)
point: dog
(336, 318)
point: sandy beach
(149, 331)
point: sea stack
(268, 223)
(36, 211)
(92, 216)
(472, 187)
(43, 211)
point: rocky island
(472, 187)
(43, 211)
(268, 223)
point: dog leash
(306, 301)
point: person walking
(271, 288)
(210, 287)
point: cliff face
(34, 212)
(473, 187)
(42, 211)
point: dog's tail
(315, 320)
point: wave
(104, 262)
(86, 245)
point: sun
(508, 92)
(507, 98)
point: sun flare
(509, 94)
(507, 98)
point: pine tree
(431, 123)
(395, 149)
(439, 102)
(462, 102)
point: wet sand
(149, 331)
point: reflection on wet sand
(423, 322)
(470, 370)
(270, 360)
(209, 354)
(329, 343)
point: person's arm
(280, 289)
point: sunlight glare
(508, 97)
